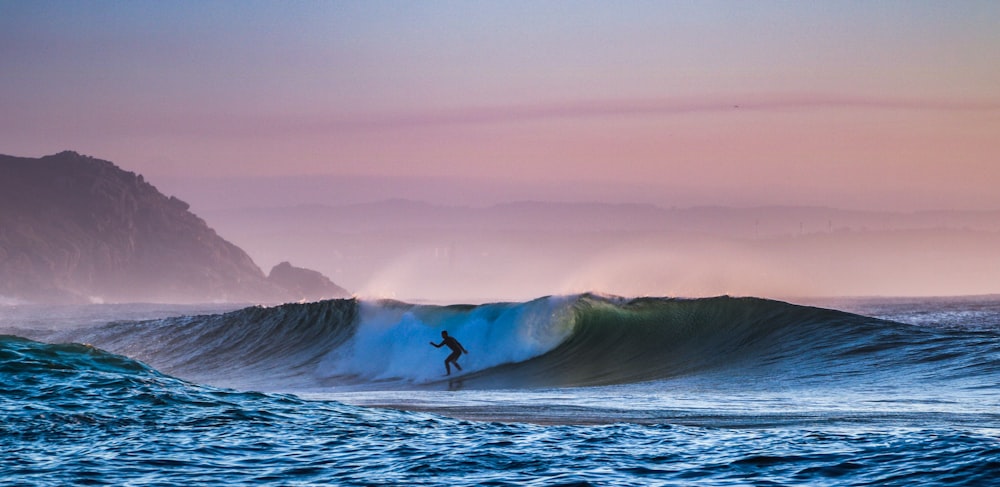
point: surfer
(456, 351)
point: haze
(237, 107)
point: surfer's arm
(437, 345)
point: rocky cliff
(75, 229)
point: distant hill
(76, 229)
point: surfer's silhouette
(456, 351)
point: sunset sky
(884, 105)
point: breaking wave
(558, 341)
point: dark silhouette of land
(76, 229)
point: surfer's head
(444, 334)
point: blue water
(572, 390)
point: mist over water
(415, 251)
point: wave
(56, 396)
(26, 357)
(255, 346)
(60, 390)
(558, 341)
(618, 341)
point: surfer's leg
(447, 367)
(453, 358)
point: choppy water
(571, 390)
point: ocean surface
(563, 390)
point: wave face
(620, 341)
(267, 348)
(565, 341)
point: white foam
(392, 339)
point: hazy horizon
(415, 251)
(223, 193)
(888, 106)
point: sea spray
(391, 341)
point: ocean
(561, 390)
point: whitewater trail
(391, 340)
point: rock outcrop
(76, 229)
(306, 284)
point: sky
(877, 105)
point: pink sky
(882, 105)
